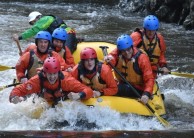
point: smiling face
(89, 64)
(42, 45)
(52, 77)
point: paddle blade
(2, 68)
(162, 120)
(183, 74)
(1, 88)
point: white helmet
(32, 16)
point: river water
(96, 22)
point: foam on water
(19, 117)
(93, 22)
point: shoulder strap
(136, 65)
(99, 71)
(158, 39)
(80, 71)
(42, 78)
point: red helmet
(88, 53)
(51, 65)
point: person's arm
(111, 85)
(148, 78)
(147, 74)
(69, 58)
(70, 84)
(42, 24)
(74, 72)
(112, 57)
(136, 37)
(162, 59)
(31, 46)
(22, 66)
(31, 86)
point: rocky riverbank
(170, 11)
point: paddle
(179, 74)
(164, 122)
(10, 85)
(19, 47)
(2, 68)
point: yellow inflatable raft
(96, 46)
(120, 104)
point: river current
(96, 22)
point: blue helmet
(60, 33)
(43, 35)
(151, 22)
(124, 42)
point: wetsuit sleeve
(22, 65)
(147, 74)
(70, 84)
(115, 54)
(30, 87)
(136, 37)
(42, 24)
(107, 76)
(74, 72)
(30, 47)
(69, 58)
(162, 59)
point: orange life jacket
(96, 83)
(52, 96)
(130, 70)
(151, 48)
(34, 63)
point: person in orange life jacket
(48, 23)
(135, 66)
(59, 37)
(52, 84)
(94, 74)
(152, 43)
(34, 59)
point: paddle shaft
(133, 89)
(104, 50)
(164, 122)
(10, 85)
(19, 47)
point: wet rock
(189, 21)
(170, 11)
